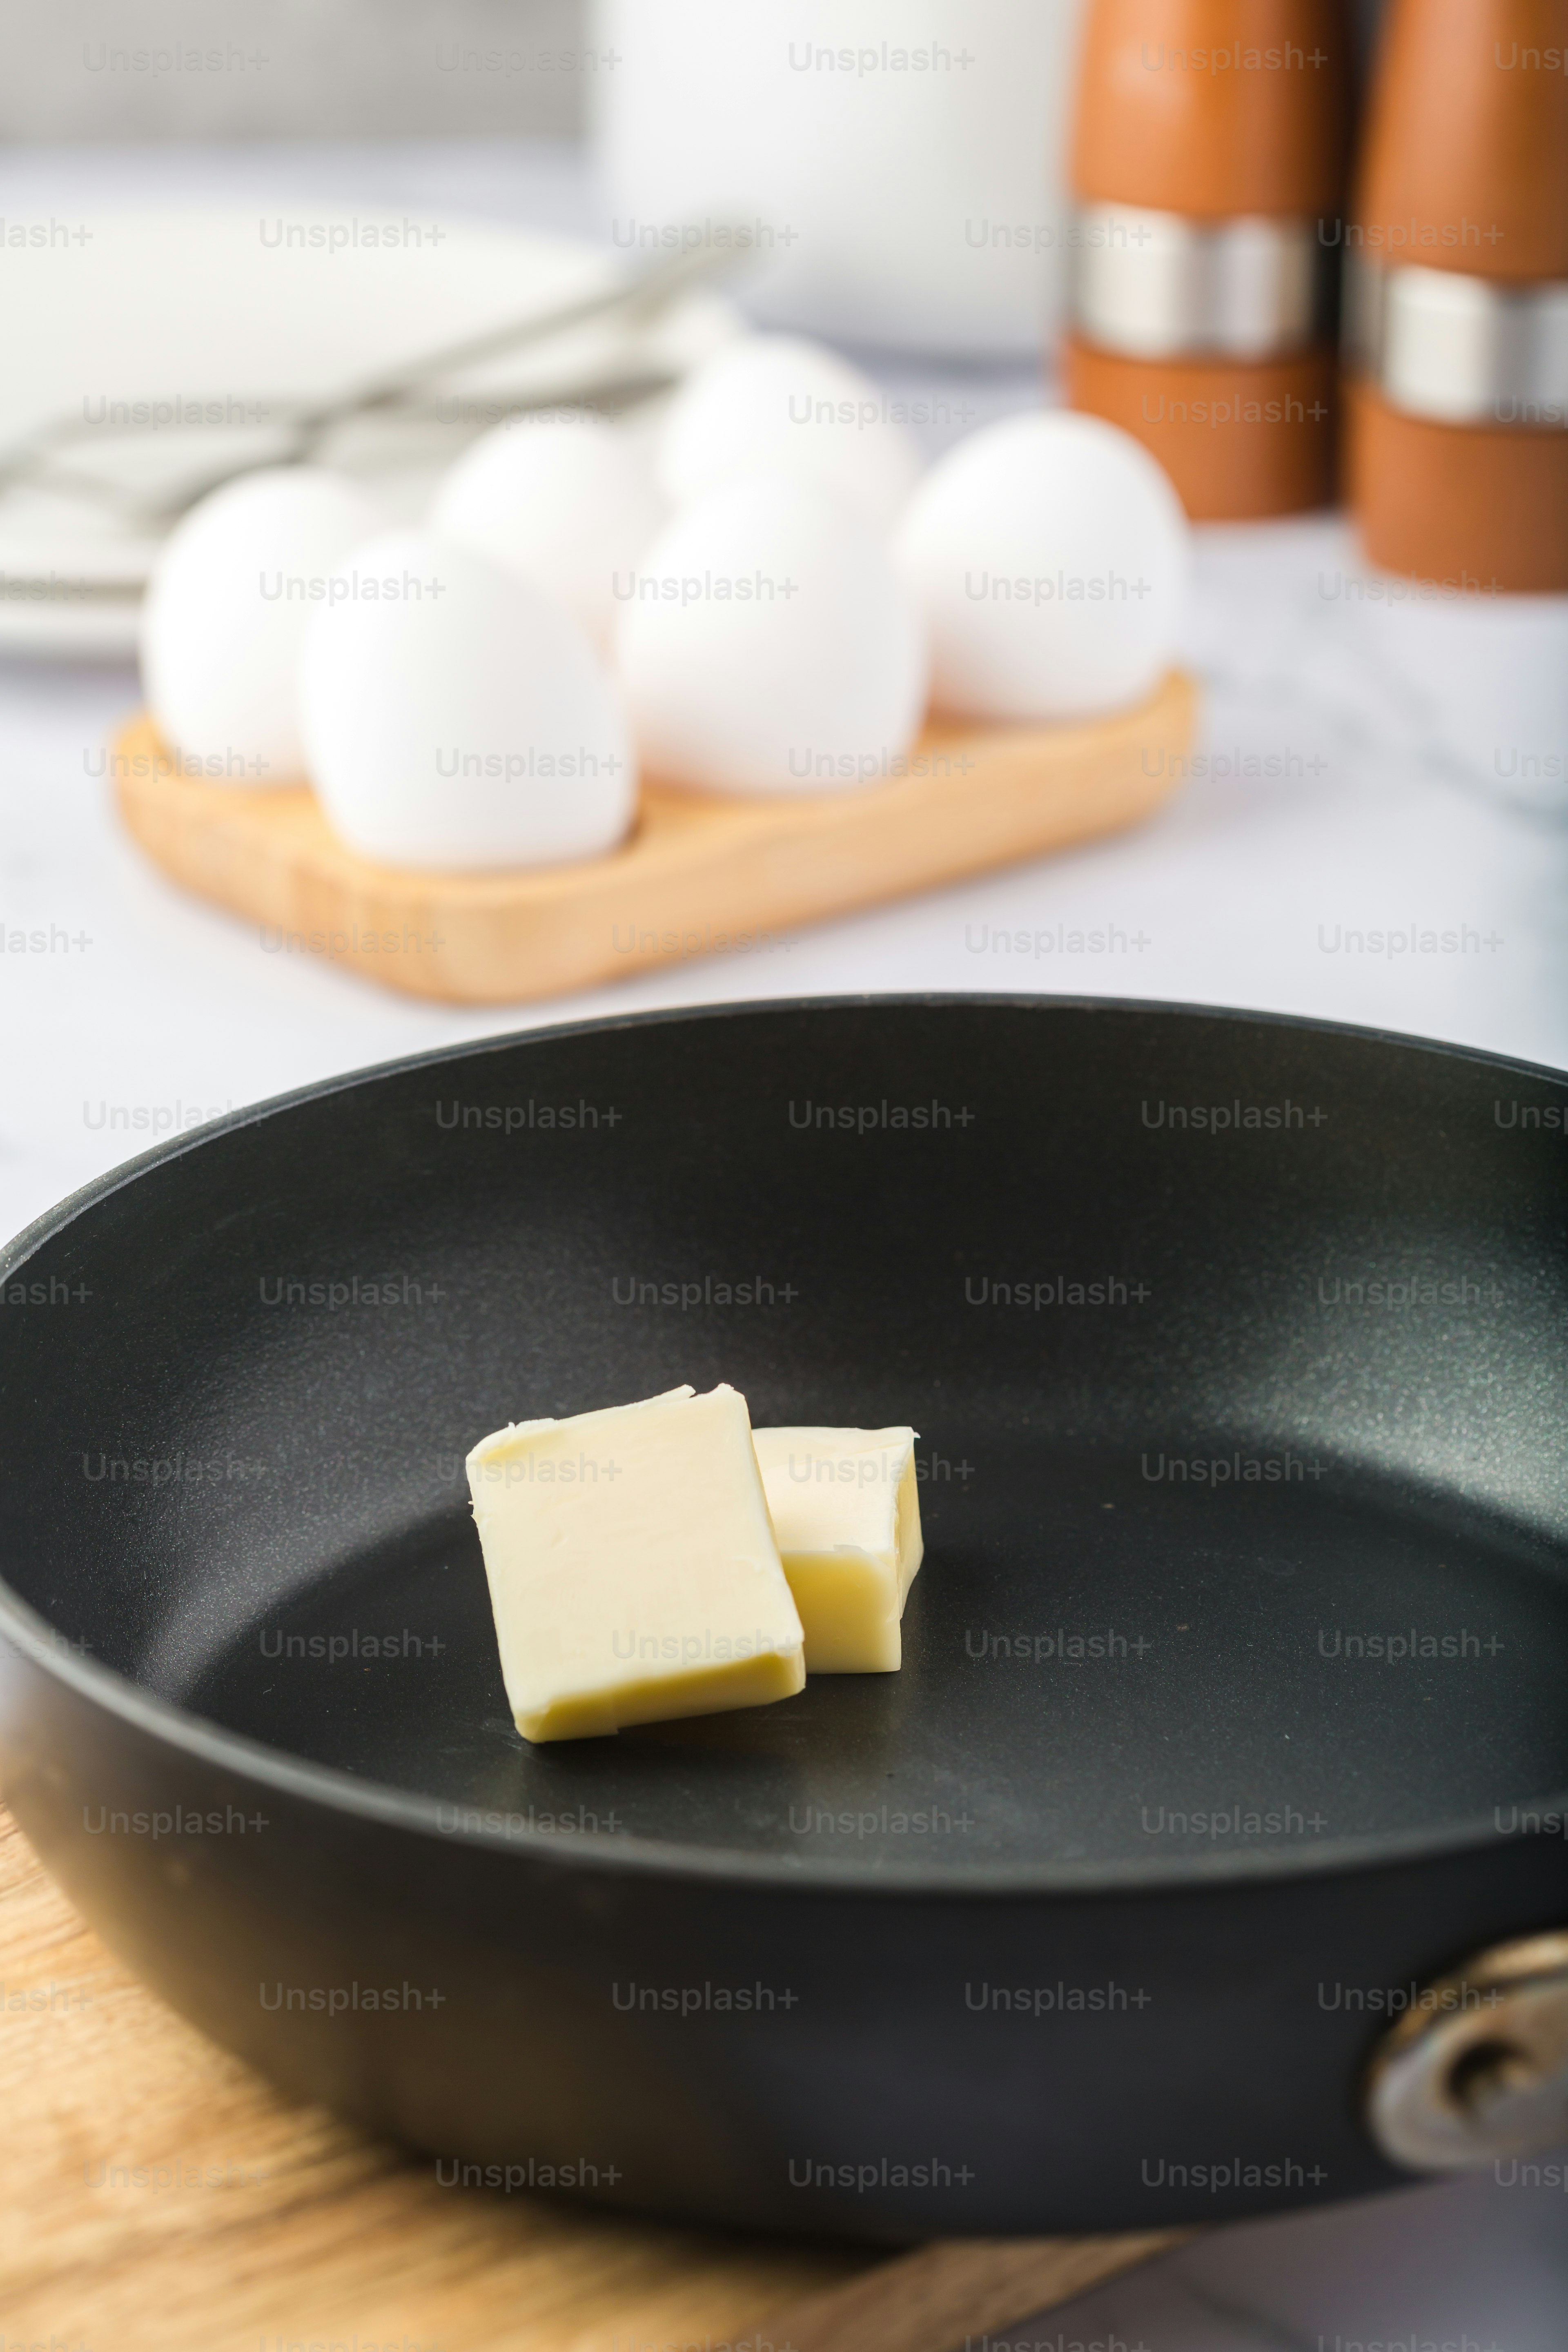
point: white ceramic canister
(901, 162)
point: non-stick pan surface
(1234, 1687)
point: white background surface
(1362, 770)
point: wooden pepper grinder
(1208, 168)
(1457, 261)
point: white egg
(770, 645)
(569, 504)
(1050, 556)
(777, 404)
(226, 610)
(453, 715)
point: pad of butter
(631, 1566)
(846, 1509)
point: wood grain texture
(930, 2300)
(698, 874)
(298, 2227)
(155, 2196)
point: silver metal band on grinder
(1459, 350)
(1159, 286)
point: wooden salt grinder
(1207, 165)
(1456, 394)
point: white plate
(231, 307)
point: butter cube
(846, 1509)
(631, 1566)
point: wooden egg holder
(699, 874)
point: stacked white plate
(229, 310)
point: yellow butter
(631, 1566)
(846, 1509)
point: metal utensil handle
(306, 421)
(623, 392)
(655, 285)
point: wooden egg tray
(699, 874)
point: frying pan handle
(1476, 2068)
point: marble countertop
(1374, 830)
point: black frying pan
(1237, 1346)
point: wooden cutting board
(699, 874)
(155, 2196)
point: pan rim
(380, 1803)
